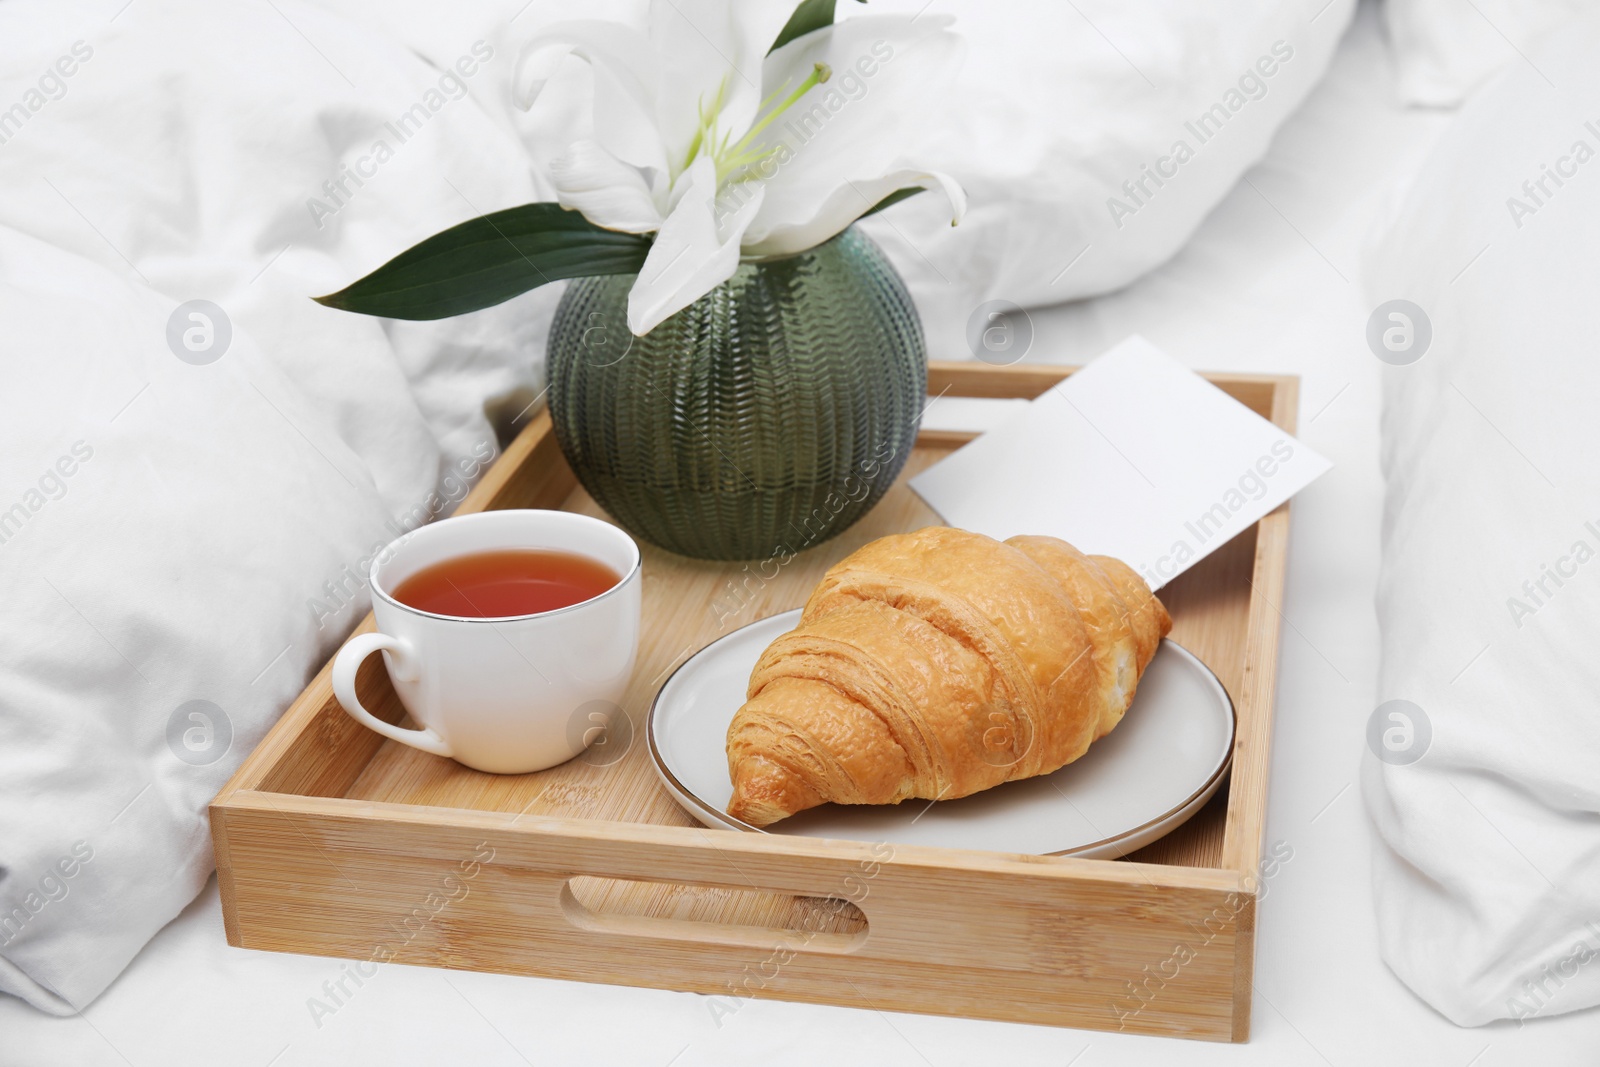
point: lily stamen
(820, 73)
(739, 156)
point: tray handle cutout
(689, 912)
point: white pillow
(1057, 125)
(1487, 875)
(164, 526)
(236, 175)
(174, 530)
(1444, 49)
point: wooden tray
(334, 841)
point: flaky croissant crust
(936, 664)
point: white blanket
(1446, 49)
(1486, 793)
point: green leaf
(893, 198)
(488, 260)
(809, 16)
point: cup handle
(349, 660)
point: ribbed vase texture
(763, 419)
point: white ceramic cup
(509, 695)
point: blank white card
(1135, 456)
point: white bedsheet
(1487, 879)
(1268, 284)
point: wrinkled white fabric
(1487, 875)
(1058, 120)
(177, 530)
(1446, 49)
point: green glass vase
(763, 419)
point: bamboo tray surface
(333, 840)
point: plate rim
(688, 797)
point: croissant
(936, 664)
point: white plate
(1139, 782)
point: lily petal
(612, 45)
(852, 130)
(847, 204)
(625, 74)
(609, 192)
(711, 49)
(696, 250)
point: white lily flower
(694, 133)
